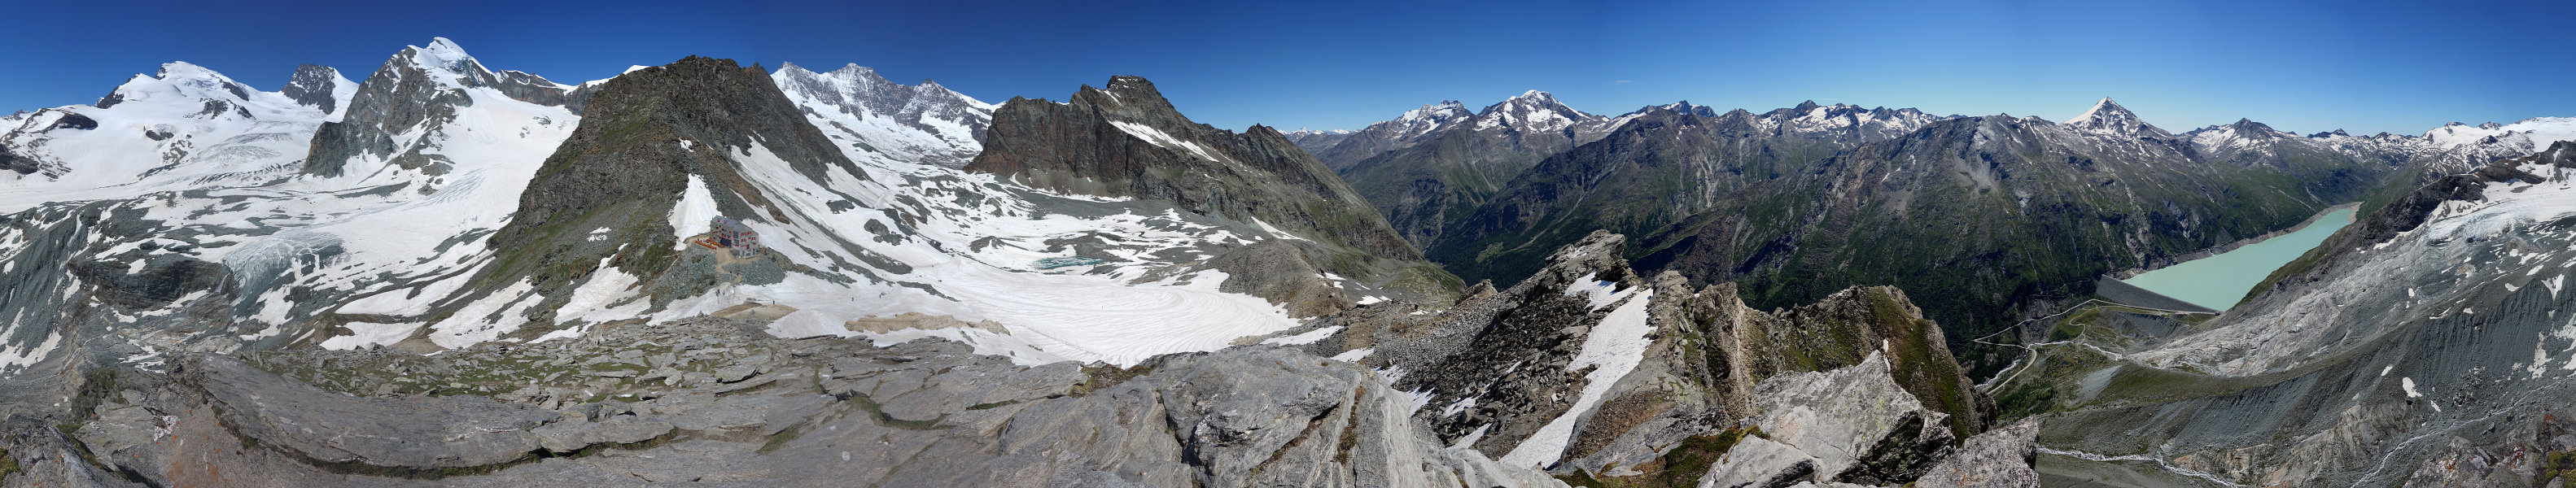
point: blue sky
(2363, 66)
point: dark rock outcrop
(313, 86)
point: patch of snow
(487, 318)
(1469, 440)
(1599, 293)
(1354, 355)
(1458, 406)
(696, 208)
(1309, 337)
(1158, 138)
(13, 359)
(1613, 349)
(363, 334)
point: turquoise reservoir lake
(2219, 281)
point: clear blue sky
(2367, 67)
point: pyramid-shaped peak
(2108, 117)
(2105, 108)
(443, 48)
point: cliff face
(1127, 141)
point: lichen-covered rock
(810, 412)
(576, 434)
(1756, 462)
(415, 433)
(1856, 422)
(2000, 458)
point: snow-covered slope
(251, 248)
(861, 243)
(1001, 261)
(386, 236)
(183, 127)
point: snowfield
(391, 248)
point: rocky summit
(711, 272)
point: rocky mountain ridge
(1592, 371)
(1125, 141)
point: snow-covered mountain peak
(2242, 135)
(442, 53)
(2530, 134)
(184, 126)
(181, 81)
(1532, 110)
(1685, 107)
(1444, 111)
(1813, 119)
(925, 123)
(183, 71)
(2107, 117)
